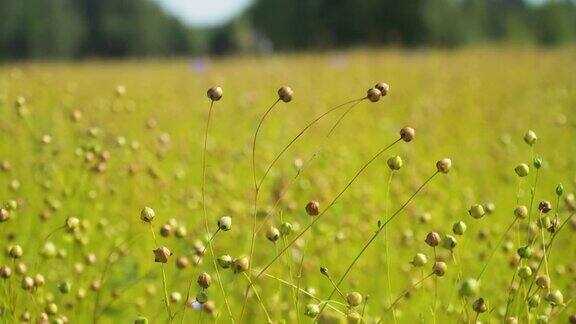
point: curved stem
(378, 231)
(496, 248)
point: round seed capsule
(479, 306)
(432, 239)
(407, 134)
(395, 163)
(419, 260)
(214, 93)
(272, 234)
(439, 268)
(373, 94)
(459, 228)
(521, 212)
(225, 223)
(240, 265)
(444, 165)
(354, 299)
(522, 170)
(469, 288)
(285, 94)
(383, 87)
(204, 280)
(225, 261)
(313, 208)
(530, 137)
(312, 310)
(147, 214)
(162, 254)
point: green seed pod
(525, 252)
(147, 214)
(444, 165)
(51, 309)
(324, 271)
(521, 212)
(489, 207)
(202, 296)
(215, 93)
(511, 320)
(432, 239)
(285, 94)
(313, 208)
(162, 254)
(240, 265)
(439, 268)
(537, 162)
(312, 310)
(373, 94)
(27, 283)
(141, 320)
(419, 260)
(524, 272)
(543, 281)
(225, 223)
(407, 134)
(559, 190)
(272, 234)
(530, 137)
(449, 242)
(522, 170)
(64, 287)
(534, 301)
(479, 306)
(225, 261)
(354, 299)
(542, 319)
(476, 211)
(395, 163)
(459, 228)
(555, 298)
(204, 280)
(286, 229)
(469, 288)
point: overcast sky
(205, 13)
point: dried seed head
(15, 251)
(449, 242)
(313, 208)
(204, 280)
(312, 310)
(439, 268)
(240, 265)
(162, 254)
(555, 298)
(524, 272)
(214, 93)
(354, 298)
(147, 214)
(469, 288)
(285, 94)
(476, 211)
(545, 206)
(225, 261)
(432, 239)
(459, 228)
(225, 223)
(166, 230)
(395, 163)
(182, 262)
(444, 165)
(522, 170)
(5, 272)
(521, 212)
(543, 281)
(383, 87)
(4, 215)
(479, 306)
(419, 260)
(272, 234)
(530, 137)
(373, 94)
(407, 134)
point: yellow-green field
(71, 146)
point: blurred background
(77, 29)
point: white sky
(205, 13)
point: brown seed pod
(285, 94)
(373, 94)
(5, 272)
(182, 262)
(313, 208)
(214, 93)
(439, 268)
(407, 134)
(383, 87)
(545, 206)
(444, 165)
(432, 239)
(162, 254)
(479, 305)
(204, 280)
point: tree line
(121, 28)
